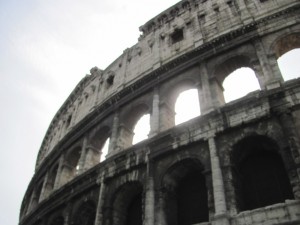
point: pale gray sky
(46, 47)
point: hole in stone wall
(104, 150)
(192, 199)
(259, 175)
(177, 36)
(187, 106)
(239, 83)
(141, 129)
(289, 64)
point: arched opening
(192, 199)
(187, 106)
(259, 173)
(127, 205)
(86, 214)
(185, 196)
(234, 78)
(239, 83)
(51, 181)
(287, 50)
(99, 147)
(289, 64)
(104, 150)
(141, 129)
(135, 125)
(71, 166)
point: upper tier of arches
(206, 31)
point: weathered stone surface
(208, 170)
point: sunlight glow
(289, 64)
(187, 106)
(239, 83)
(104, 150)
(141, 129)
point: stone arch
(285, 43)
(50, 185)
(260, 176)
(127, 206)
(184, 194)
(170, 95)
(226, 67)
(71, 164)
(97, 141)
(128, 121)
(280, 50)
(85, 213)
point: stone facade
(237, 163)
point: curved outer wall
(193, 44)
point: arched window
(100, 145)
(259, 174)
(71, 168)
(289, 64)
(185, 194)
(141, 129)
(239, 83)
(287, 50)
(192, 199)
(104, 150)
(187, 106)
(51, 181)
(127, 205)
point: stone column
(271, 81)
(99, 213)
(44, 193)
(166, 116)
(82, 159)
(289, 129)
(275, 68)
(155, 114)
(220, 217)
(205, 97)
(149, 197)
(92, 157)
(113, 145)
(258, 73)
(57, 182)
(162, 220)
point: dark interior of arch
(192, 199)
(260, 175)
(186, 194)
(100, 137)
(134, 211)
(128, 205)
(86, 214)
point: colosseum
(238, 163)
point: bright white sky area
(46, 47)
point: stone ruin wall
(193, 44)
(202, 22)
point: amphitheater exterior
(237, 163)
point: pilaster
(220, 217)
(155, 114)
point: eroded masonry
(237, 163)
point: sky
(46, 48)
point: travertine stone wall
(193, 44)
